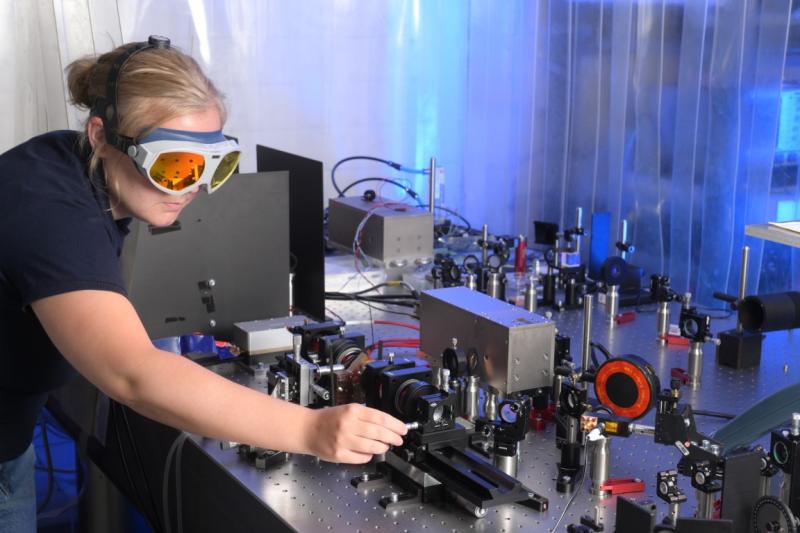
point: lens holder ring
(627, 385)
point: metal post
(662, 321)
(588, 300)
(612, 303)
(297, 343)
(695, 364)
(530, 294)
(471, 397)
(578, 225)
(705, 505)
(471, 281)
(432, 184)
(494, 285)
(506, 463)
(490, 404)
(600, 464)
(444, 379)
(743, 283)
(674, 510)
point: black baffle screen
(225, 260)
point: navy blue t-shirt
(57, 235)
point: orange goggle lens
(225, 169)
(178, 170)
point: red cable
(399, 324)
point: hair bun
(79, 76)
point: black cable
(387, 310)
(377, 297)
(376, 287)
(602, 349)
(42, 468)
(452, 212)
(410, 305)
(715, 414)
(595, 362)
(49, 456)
(574, 493)
(396, 166)
(134, 487)
(140, 464)
(394, 299)
(177, 443)
(72, 503)
(335, 315)
(408, 190)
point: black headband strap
(106, 107)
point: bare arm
(101, 335)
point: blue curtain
(664, 113)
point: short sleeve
(57, 245)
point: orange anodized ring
(626, 385)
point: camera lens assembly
(627, 385)
(406, 391)
(770, 312)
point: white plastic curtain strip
(662, 112)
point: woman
(65, 202)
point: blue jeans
(18, 494)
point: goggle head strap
(105, 107)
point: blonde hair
(154, 86)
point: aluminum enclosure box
(512, 348)
(391, 236)
(266, 336)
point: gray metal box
(393, 236)
(266, 336)
(512, 348)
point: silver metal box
(266, 336)
(394, 236)
(512, 348)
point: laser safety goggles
(179, 162)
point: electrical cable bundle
(396, 166)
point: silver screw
(212, 323)
(390, 357)
(715, 449)
(795, 424)
(211, 282)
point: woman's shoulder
(55, 162)
(54, 147)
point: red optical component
(627, 385)
(520, 262)
(623, 486)
(537, 423)
(676, 340)
(624, 318)
(680, 374)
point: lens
(177, 170)
(691, 327)
(509, 412)
(225, 169)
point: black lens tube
(770, 312)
